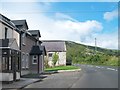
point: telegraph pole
(95, 45)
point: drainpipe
(20, 53)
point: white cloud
(62, 16)
(110, 15)
(64, 27)
(59, 0)
(19, 0)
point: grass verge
(56, 68)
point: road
(89, 77)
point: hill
(83, 54)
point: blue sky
(76, 21)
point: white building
(55, 46)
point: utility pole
(95, 45)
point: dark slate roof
(20, 23)
(55, 46)
(35, 50)
(6, 20)
(34, 32)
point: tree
(46, 62)
(55, 58)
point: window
(0, 63)
(23, 60)
(50, 54)
(23, 38)
(17, 63)
(6, 29)
(4, 63)
(10, 64)
(34, 60)
(27, 60)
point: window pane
(4, 63)
(10, 63)
(17, 63)
(27, 60)
(0, 63)
(23, 61)
(23, 38)
(34, 60)
(34, 57)
(50, 54)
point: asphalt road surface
(89, 77)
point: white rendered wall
(61, 60)
(6, 76)
(17, 75)
(24, 72)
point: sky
(76, 21)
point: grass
(61, 68)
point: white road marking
(98, 67)
(102, 67)
(112, 69)
(90, 66)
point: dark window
(17, 63)
(4, 63)
(6, 32)
(34, 61)
(10, 63)
(50, 54)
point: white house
(55, 46)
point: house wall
(25, 49)
(41, 64)
(61, 60)
(11, 33)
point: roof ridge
(52, 40)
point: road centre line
(112, 69)
(98, 67)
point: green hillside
(82, 54)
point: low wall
(9, 76)
(6, 77)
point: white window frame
(23, 60)
(33, 58)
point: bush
(55, 58)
